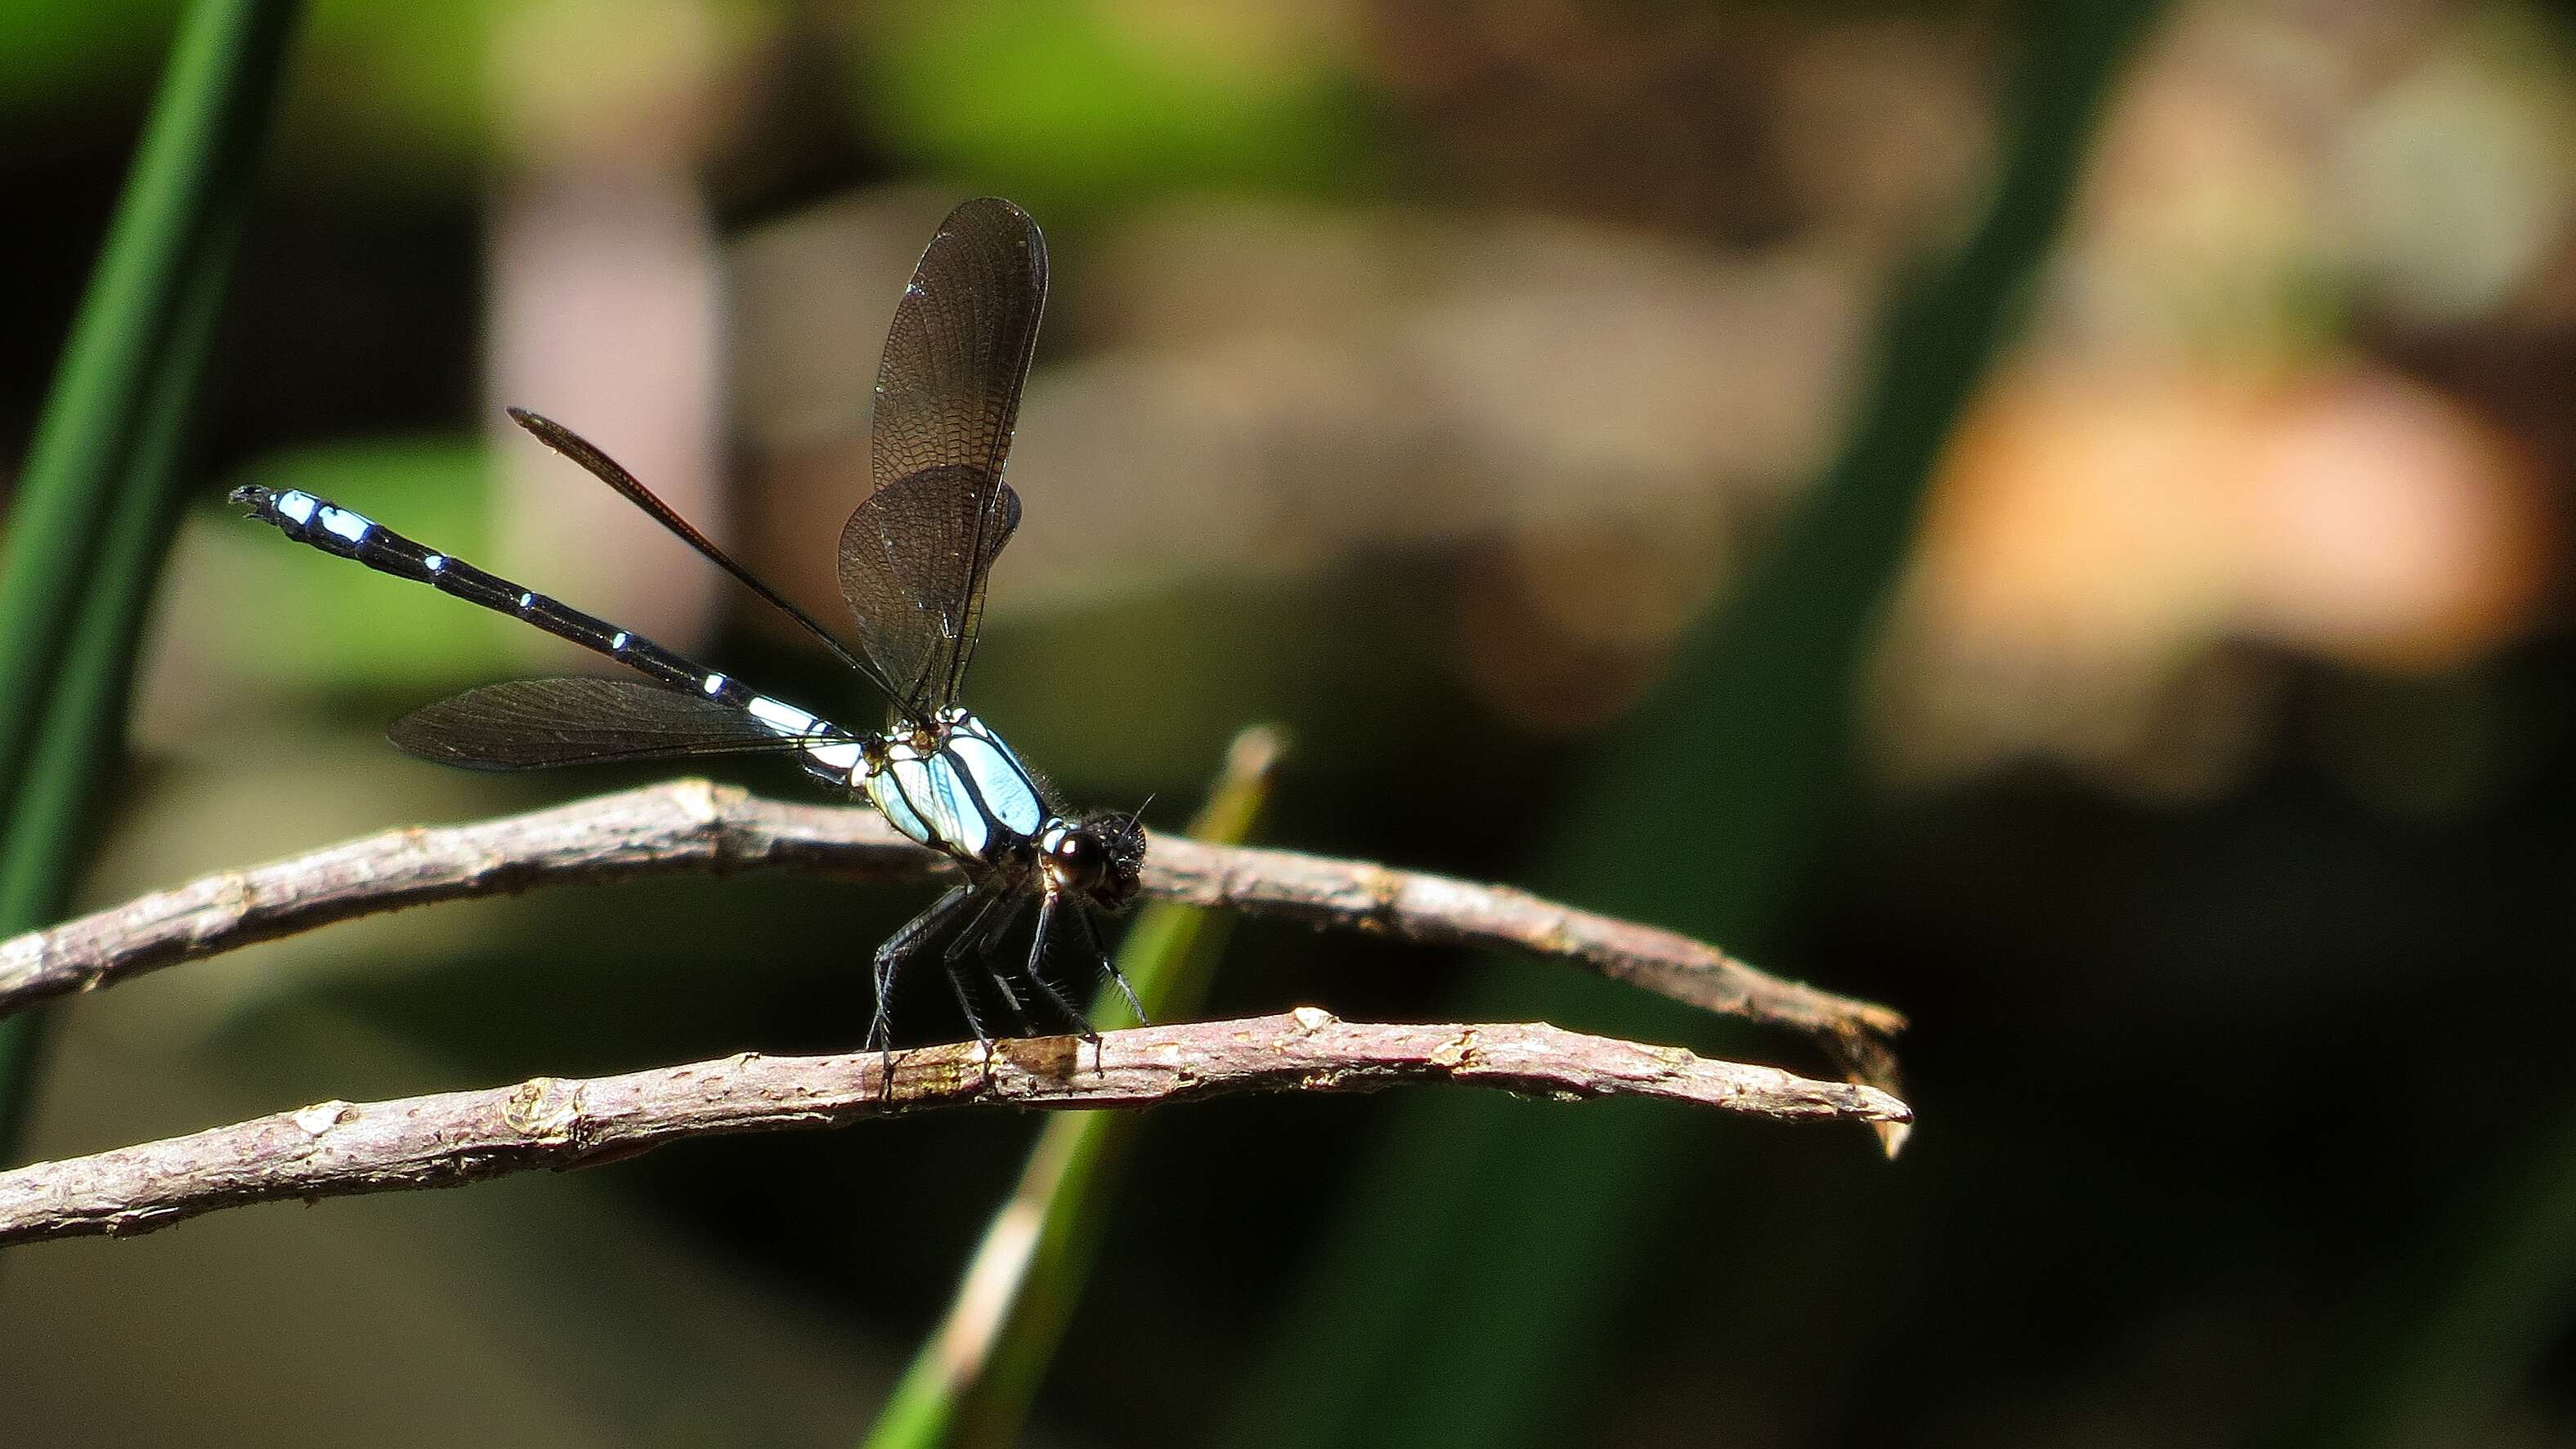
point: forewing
(531, 724)
(947, 397)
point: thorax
(955, 787)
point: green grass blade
(1469, 1286)
(973, 1381)
(222, 76)
(89, 701)
(2465, 1317)
(101, 484)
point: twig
(1442, 910)
(336, 1149)
(693, 825)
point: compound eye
(1081, 859)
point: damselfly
(913, 562)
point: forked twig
(693, 825)
(336, 1149)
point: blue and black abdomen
(333, 529)
(966, 794)
(325, 525)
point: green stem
(222, 73)
(88, 706)
(2463, 1318)
(974, 1380)
(1468, 1289)
(101, 485)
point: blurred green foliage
(355, 629)
(102, 483)
(1468, 1286)
(1069, 104)
(1074, 104)
(411, 77)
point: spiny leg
(1037, 971)
(1091, 942)
(974, 1023)
(1080, 1021)
(898, 948)
(982, 926)
(983, 936)
(1019, 1008)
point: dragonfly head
(1102, 859)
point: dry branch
(336, 1149)
(693, 825)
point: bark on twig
(336, 1149)
(692, 825)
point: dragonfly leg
(1019, 1008)
(1091, 942)
(984, 936)
(987, 928)
(974, 1023)
(1072, 1013)
(1037, 971)
(898, 948)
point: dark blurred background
(1424, 378)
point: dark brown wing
(613, 473)
(534, 724)
(915, 555)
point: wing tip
(1004, 211)
(545, 429)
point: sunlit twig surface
(340, 1149)
(692, 825)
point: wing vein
(916, 553)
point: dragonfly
(912, 565)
